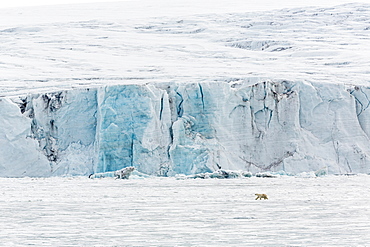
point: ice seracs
(124, 173)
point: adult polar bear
(261, 196)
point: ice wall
(186, 128)
(133, 128)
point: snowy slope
(97, 89)
(315, 44)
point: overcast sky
(20, 3)
(256, 4)
(282, 3)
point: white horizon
(260, 4)
(33, 3)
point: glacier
(277, 91)
(188, 128)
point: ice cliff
(187, 128)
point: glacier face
(186, 128)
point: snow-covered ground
(324, 211)
(50, 48)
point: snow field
(325, 211)
(48, 49)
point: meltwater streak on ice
(328, 211)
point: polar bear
(260, 196)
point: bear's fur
(260, 196)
